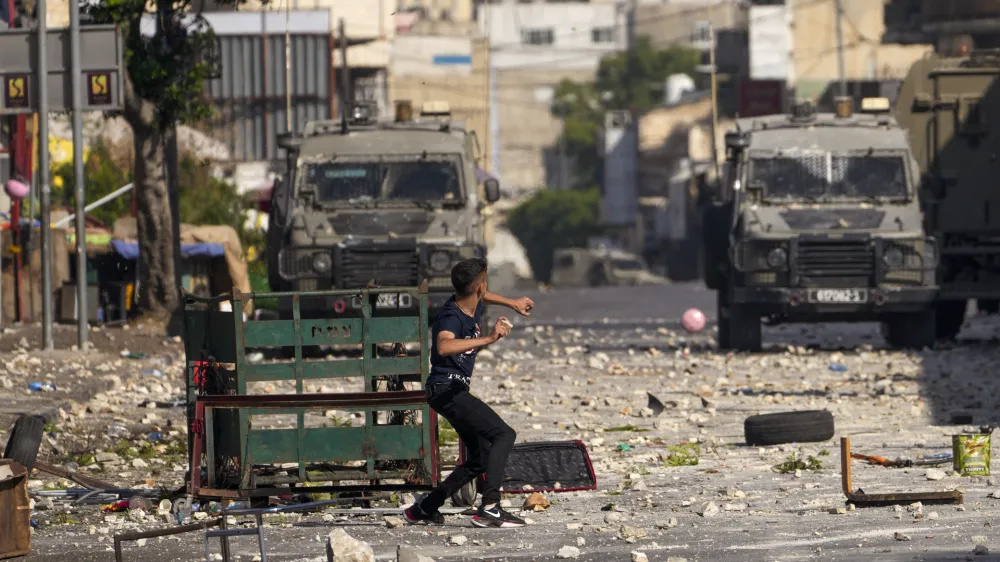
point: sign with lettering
(99, 88)
(15, 91)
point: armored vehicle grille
(396, 268)
(836, 263)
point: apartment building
(533, 46)
(796, 41)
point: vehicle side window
(565, 260)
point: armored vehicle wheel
(988, 306)
(913, 330)
(739, 325)
(950, 316)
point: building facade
(808, 54)
(440, 60)
(533, 46)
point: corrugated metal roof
(297, 22)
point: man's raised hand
(523, 306)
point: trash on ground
(972, 453)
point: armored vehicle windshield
(827, 159)
(431, 178)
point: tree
(633, 79)
(165, 75)
(554, 219)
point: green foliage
(446, 433)
(685, 454)
(168, 69)
(205, 199)
(103, 176)
(628, 80)
(554, 219)
(629, 428)
(794, 463)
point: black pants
(488, 439)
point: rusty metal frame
(860, 498)
(128, 537)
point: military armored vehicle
(394, 203)
(819, 221)
(951, 107)
(599, 267)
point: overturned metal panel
(250, 96)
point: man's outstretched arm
(522, 305)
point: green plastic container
(971, 454)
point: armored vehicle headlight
(893, 258)
(322, 263)
(440, 261)
(777, 258)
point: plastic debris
(42, 387)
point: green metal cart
(389, 440)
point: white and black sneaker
(496, 516)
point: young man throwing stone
(456, 338)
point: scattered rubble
(568, 552)
(344, 548)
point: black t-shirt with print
(454, 367)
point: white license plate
(387, 300)
(838, 296)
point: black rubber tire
(950, 317)
(739, 325)
(715, 243)
(465, 496)
(24, 441)
(915, 330)
(808, 426)
(722, 318)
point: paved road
(891, 403)
(645, 305)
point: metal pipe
(288, 70)
(99, 203)
(42, 74)
(840, 47)
(78, 177)
(345, 100)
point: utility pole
(715, 102)
(82, 317)
(840, 47)
(288, 68)
(345, 74)
(41, 76)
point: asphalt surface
(582, 365)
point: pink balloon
(17, 189)
(693, 320)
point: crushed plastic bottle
(155, 436)
(132, 355)
(42, 387)
(838, 367)
(152, 372)
(117, 430)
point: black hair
(465, 274)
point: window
(602, 35)
(544, 36)
(565, 260)
(423, 180)
(702, 33)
